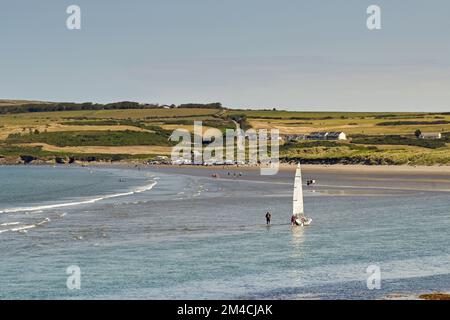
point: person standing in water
(268, 218)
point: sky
(314, 55)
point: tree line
(72, 106)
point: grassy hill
(374, 137)
(129, 130)
(5, 102)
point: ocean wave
(6, 224)
(76, 203)
(23, 228)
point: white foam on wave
(6, 224)
(46, 220)
(23, 228)
(71, 204)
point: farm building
(293, 137)
(430, 135)
(327, 136)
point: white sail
(298, 193)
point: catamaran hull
(305, 223)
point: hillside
(121, 131)
(4, 102)
(375, 138)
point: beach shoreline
(435, 296)
(335, 168)
(438, 169)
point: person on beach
(268, 218)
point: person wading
(268, 218)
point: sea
(153, 233)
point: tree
(418, 133)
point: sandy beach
(445, 170)
(336, 179)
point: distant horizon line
(265, 108)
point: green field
(300, 115)
(374, 138)
(349, 153)
(92, 138)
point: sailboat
(298, 214)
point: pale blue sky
(290, 54)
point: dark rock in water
(71, 160)
(27, 159)
(60, 160)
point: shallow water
(198, 237)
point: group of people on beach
(235, 174)
(216, 175)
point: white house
(327, 136)
(336, 136)
(430, 135)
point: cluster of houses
(211, 162)
(334, 135)
(339, 135)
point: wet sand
(336, 179)
(426, 296)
